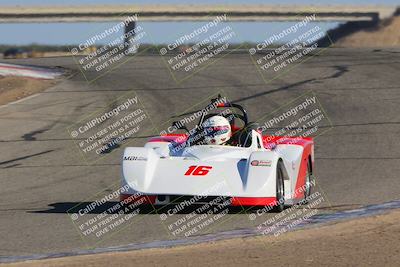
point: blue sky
(74, 2)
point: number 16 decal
(198, 170)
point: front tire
(280, 188)
(308, 183)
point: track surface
(42, 177)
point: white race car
(250, 169)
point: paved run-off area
(42, 175)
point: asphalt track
(357, 160)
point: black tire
(308, 183)
(280, 188)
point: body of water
(155, 32)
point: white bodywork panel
(154, 170)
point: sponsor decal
(265, 163)
(134, 158)
(254, 163)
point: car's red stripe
(253, 201)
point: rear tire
(308, 183)
(280, 188)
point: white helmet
(217, 130)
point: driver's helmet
(217, 130)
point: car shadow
(79, 207)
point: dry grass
(386, 34)
(15, 88)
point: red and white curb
(29, 71)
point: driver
(217, 130)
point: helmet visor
(216, 130)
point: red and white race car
(251, 170)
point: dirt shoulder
(14, 88)
(367, 241)
(385, 34)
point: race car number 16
(198, 170)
